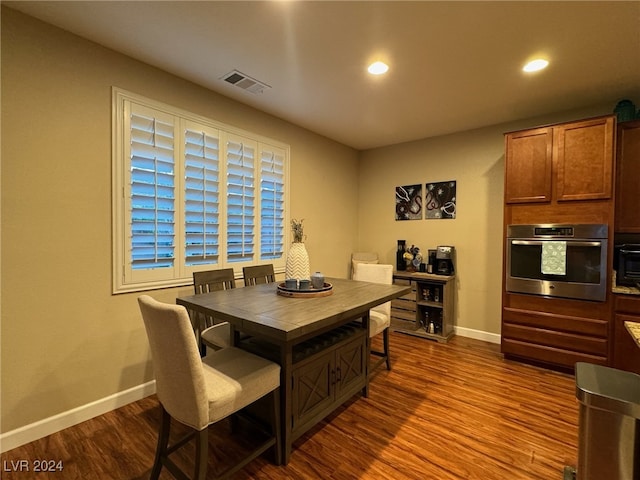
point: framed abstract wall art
(440, 199)
(409, 202)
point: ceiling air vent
(245, 82)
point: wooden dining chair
(213, 280)
(199, 392)
(257, 274)
(379, 316)
(211, 334)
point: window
(190, 193)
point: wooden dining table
(321, 342)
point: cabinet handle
(339, 376)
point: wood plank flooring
(445, 411)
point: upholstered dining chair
(362, 257)
(213, 335)
(256, 274)
(379, 316)
(199, 392)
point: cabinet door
(350, 360)
(312, 390)
(628, 178)
(528, 166)
(584, 159)
(626, 354)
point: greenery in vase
(297, 229)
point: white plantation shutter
(271, 202)
(152, 197)
(202, 196)
(241, 190)
(191, 194)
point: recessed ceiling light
(378, 68)
(535, 65)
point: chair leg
(163, 443)
(385, 341)
(202, 447)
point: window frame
(180, 274)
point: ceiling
(454, 66)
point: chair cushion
(383, 310)
(218, 335)
(380, 314)
(235, 378)
(377, 323)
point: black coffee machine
(444, 260)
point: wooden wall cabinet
(429, 310)
(584, 159)
(627, 216)
(626, 354)
(559, 174)
(566, 162)
(528, 165)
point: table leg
(367, 354)
(286, 397)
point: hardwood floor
(445, 411)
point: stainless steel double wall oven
(583, 255)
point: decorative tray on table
(325, 291)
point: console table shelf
(429, 310)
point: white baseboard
(478, 334)
(42, 428)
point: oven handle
(570, 242)
(629, 251)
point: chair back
(376, 273)
(210, 281)
(213, 280)
(257, 274)
(177, 367)
(362, 257)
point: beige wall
(66, 340)
(475, 160)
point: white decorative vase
(298, 262)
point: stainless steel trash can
(609, 437)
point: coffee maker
(444, 260)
